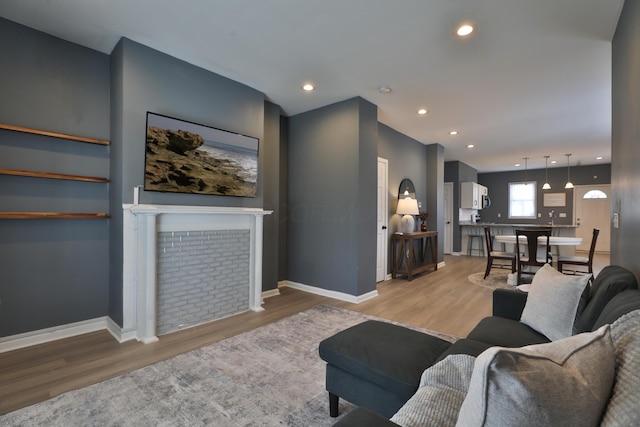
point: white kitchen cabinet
(471, 195)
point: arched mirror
(406, 189)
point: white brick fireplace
(153, 280)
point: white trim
(140, 226)
(441, 264)
(327, 293)
(27, 339)
(270, 293)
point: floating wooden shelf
(54, 134)
(17, 172)
(47, 215)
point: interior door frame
(448, 228)
(383, 224)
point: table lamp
(407, 207)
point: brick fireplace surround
(187, 265)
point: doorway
(383, 216)
(448, 217)
(592, 206)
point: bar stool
(475, 238)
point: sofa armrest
(509, 303)
(362, 417)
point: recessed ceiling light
(470, 146)
(464, 30)
(453, 132)
(599, 158)
(422, 111)
(553, 162)
(384, 89)
(308, 87)
(517, 164)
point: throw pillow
(565, 382)
(442, 390)
(623, 408)
(552, 303)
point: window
(522, 199)
(594, 194)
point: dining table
(554, 242)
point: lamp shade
(407, 206)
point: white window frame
(533, 186)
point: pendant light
(546, 185)
(569, 184)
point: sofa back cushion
(612, 280)
(621, 304)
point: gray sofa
(613, 293)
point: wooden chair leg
(488, 269)
(333, 405)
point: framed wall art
(186, 157)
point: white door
(448, 217)
(592, 213)
(383, 215)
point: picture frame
(554, 200)
(187, 157)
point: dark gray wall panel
(54, 272)
(625, 141)
(325, 215)
(147, 80)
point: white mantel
(141, 223)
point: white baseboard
(270, 293)
(15, 342)
(27, 339)
(327, 293)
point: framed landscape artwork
(186, 157)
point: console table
(409, 261)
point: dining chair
(527, 262)
(577, 261)
(493, 256)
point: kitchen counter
(495, 224)
(476, 229)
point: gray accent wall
(497, 184)
(148, 80)
(457, 172)
(435, 193)
(625, 139)
(332, 176)
(52, 271)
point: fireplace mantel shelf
(180, 209)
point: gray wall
(497, 184)
(331, 222)
(457, 172)
(147, 80)
(407, 159)
(435, 193)
(625, 140)
(54, 272)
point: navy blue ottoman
(377, 365)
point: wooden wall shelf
(47, 215)
(54, 134)
(35, 174)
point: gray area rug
(270, 376)
(496, 279)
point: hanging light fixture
(526, 181)
(546, 185)
(569, 184)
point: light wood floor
(444, 301)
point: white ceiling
(534, 79)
